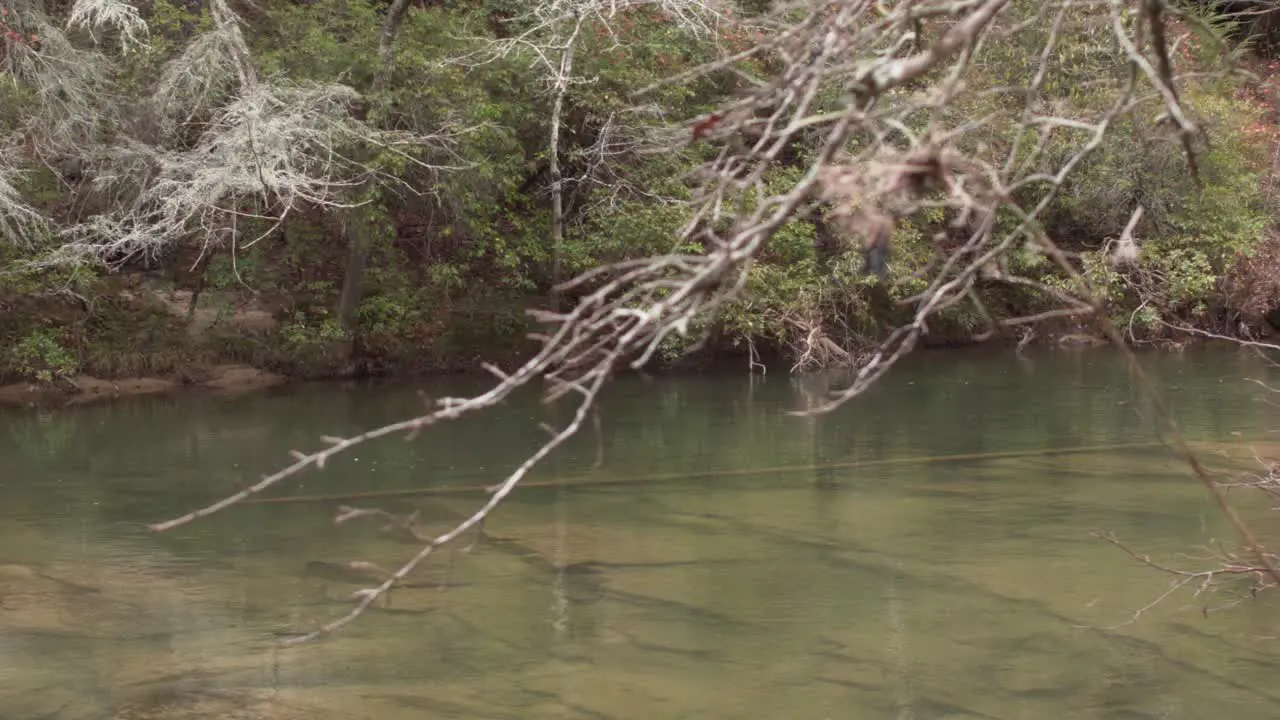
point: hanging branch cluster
(885, 108)
(20, 224)
(876, 95)
(624, 320)
(72, 95)
(547, 36)
(1221, 570)
(1224, 568)
(619, 138)
(263, 150)
(550, 27)
(890, 149)
(272, 150)
(110, 17)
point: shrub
(41, 357)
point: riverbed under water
(914, 554)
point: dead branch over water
(876, 92)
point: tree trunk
(557, 185)
(201, 269)
(357, 232)
(357, 222)
(193, 334)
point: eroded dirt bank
(225, 379)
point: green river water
(716, 557)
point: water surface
(714, 558)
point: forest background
(341, 188)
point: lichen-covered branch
(265, 150)
(20, 224)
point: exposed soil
(84, 389)
(217, 312)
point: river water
(919, 553)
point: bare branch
(117, 15)
(20, 224)
(371, 595)
(1203, 580)
(274, 150)
(888, 136)
(73, 91)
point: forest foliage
(230, 155)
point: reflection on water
(839, 579)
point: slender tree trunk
(357, 221)
(201, 273)
(357, 233)
(192, 337)
(557, 185)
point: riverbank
(128, 336)
(238, 379)
(82, 389)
